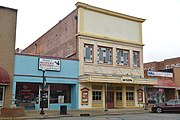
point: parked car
(171, 105)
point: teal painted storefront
(26, 72)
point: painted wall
(26, 70)
(110, 26)
(8, 18)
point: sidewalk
(34, 114)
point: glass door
(1, 95)
(45, 97)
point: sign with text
(125, 79)
(49, 64)
(160, 74)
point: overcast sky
(161, 30)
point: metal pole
(106, 97)
(42, 95)
(145, 107)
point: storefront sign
(49, 64)
(160, 74)
(126, 79)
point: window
(105, 55)
(178, 65)
(88, 53)
(60, 91)
(122, 57)
(97, 92)
(96, 95)
(152, 69)
(129, 93)
(136, 58)
(118, 95)
(27, 92)
(167, 67)
(172, 66)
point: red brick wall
(59, 41)
(162, 64)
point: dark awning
(4, 77)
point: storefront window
(97, 95)
(129, 93)
(60, 93)
(1, 95)
(97, 92)
(118, 95)
(27, 92)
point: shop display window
(60, 93)
(27, 93)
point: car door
(169, 106)
(177, 106)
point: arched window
(172, 65)
(152, 69)
(178, 65)
(167, 67)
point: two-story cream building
(111, 59)
(110, 52)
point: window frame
(104, 60)
(128, 56)
(88, 61)
(138, 62)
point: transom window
(105, 55)
(88, 53)
(136, 58)
(122, 57)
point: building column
(124, 96)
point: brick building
(167, 74)
(109, 48)
(8, 18)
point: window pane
(88, 51)
(105, 55)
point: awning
(4, 77)
(166, 83)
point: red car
(169, 106)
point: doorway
(110, 99)
(45, 96)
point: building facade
(167, 74)
(8, 18)
(110, 52)
(61, 82)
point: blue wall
(26, 70)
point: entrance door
(110, 99)
(1, 95)
(45, 97)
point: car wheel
(159, 110)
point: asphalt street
(146, 116)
